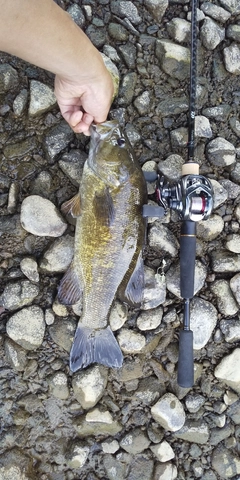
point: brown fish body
(109, 238)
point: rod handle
(185, 376)
(187, 258)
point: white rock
(79, 456)
(131, 342)
(29, 268)
(111, 446)
(40, 217)
(227, 304)
(154, 293)
(118, 315)
(203, 321)
(42, 98)
(211, 34)
(58, 256)
(27, 327)
(135, 441)
(228, 370)
(161, 239)
(209, 229)
(169, 412)
(220, 152)
(232, 58)
(150, 319)
(49, 316)
(59, 309)
(163, 451)
(59, 385)
(202, 127)
(220, 194)
(235, 286)
(89, 385)
(234, 243)
(166, 471)
(99, 416)
(179, 29)
(174, 59)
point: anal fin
(131, 289)
(94, 346)
(69, 291)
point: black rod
(193, 76)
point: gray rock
(154, 293)
(224, 261)
(118, 32)
(62, 333)
(202, 127)
(220, 152)
(233, 243)
(118, 315)
(225, 463)
(140, 463)
(115, 469)
(203, 321)
(163, 451)
(179, 29)
(220, 194)
(231, 6)
(126, 9)
(174, 59)
(110, 446)
(96, 423)
(133, 135)
(211, 34)
(58, 385)
(235, 286)
(157, 8)
(20, 102)
(162, 240)
(58, 256)
(231, 330)
(143, 103)
(169, 412)
(172, 106)
(20, 149)
(226, 303)
(72, 163)
(214, 11)
(127, 88)
(16, 355)
(234, 412)
(130, 341)
(233, 32)
(89, 386)
(27, 327)
(232, 188)
(219, 112)
(173, 278)
(150, 320)
(42, 184)
(40, 217)
(227, 370)
(179, 137)
(19, 294)
(57, 139)
(167, 471)
(135, 441)
(8, 78)
(77, 456)
(111, 53)
(210, 229)
(171, 168)
(97, 35)
(77, 15)
(129, 54)
(194, 432)
(42, 98)
(29, 268)
(231, 57)
(194, 402)
(235, 125)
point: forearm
(41, 33)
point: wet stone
(89, 386)
(135, 441)
(71, 164)
(226, 302)
(19, 294)
(174, 59)
(29, 268)
(20, 149)
(57, 139)
(8, 78)
(211, 34)
(58, 385)
(27, 327)
(58, 256)
(42, 98)
(40, 217)
(169, 412)
(232, 58)
(228, 371)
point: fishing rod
(192, 197)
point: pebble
(179, 29)
(202, 127)
(20, 102)
(231, 330)
(172, 106)
(71, 163)
(135, 441)
(220, 193)
(194, 432)
(129, 54)
(19, 294)
(78, 455)
(216, 12)
(13, 198)
(110, 446)
(49, 316)
(130, 341)
(118, 32)
(111, 53)
(58, 138)
(220, 152)
(58, 256)
(29, 268)
(194, 402)
(89, 386)
(231, 57)
(227, 370)
(150, 319)
(225, 261)
(226, 302)
(169, 412)
(118, 315)
(62, 333)
(233, 244)
(174, 59)
(211, 34)
(157, 8)
(219, 112)
(42, 184)
(231, 5)
(235, 125)
(27, 327)
(235, 286)
(162, 240)
(40, 217)
(8, 78)
(16, 355)
(203, 321)
(77, 15)
(127, 88)
(233, 32)
(225, 463)
(173, 278)
(42, 98)
(171, 168)
(168, 471)
(20, 149)
(163, 451)
(154, 293)
(211, 228)
(126, 9)
(115, 470)
(143, 103)
(58, 385)
(97, 422)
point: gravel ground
(135, 422)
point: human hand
(84, 100)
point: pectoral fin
(94, 346)
(103, 207)
(132, 292)
(70, 290)
(72, 206)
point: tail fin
(90, 346)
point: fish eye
(121, 142)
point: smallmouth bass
(109, 237)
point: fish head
(110, 155)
